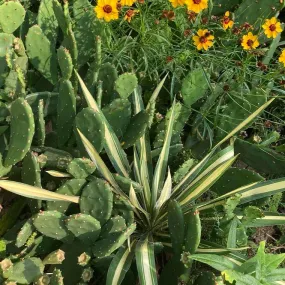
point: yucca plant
(165, 213)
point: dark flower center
(203, 40)
(107, 9)
(226, 20)
(197, 1)
(272, 28)
(250, 43)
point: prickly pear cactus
(194, 86)
(90, 124)
(22, 131)
(66, 112)
(112, 242)
(70, 187)
(52, 224)
(97, 200)
(12, 15)
(239, 109)
(254, 12)
(108, 75)
(26, 271)
(126, 84)
(42, 54)
(84, 227)
(135, 129)
(47, 21)
(65, 63)
(118, 114)
(81, 167)
(25, 233)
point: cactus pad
(27, 270)
(84, 227)
(41, 53)
(66, 111)
(113, 225)
(123, 208)
(118, 114)
(135, 129)
(97, 200)
(108, 75)
(65, 63)
(24, 234)
(90, 124)
(22, 131)
(12, 15)
(52, 224)
(126, 84)
(112, 242)
(81, 167)
(70, 187)
(194, 86)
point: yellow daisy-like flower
(249, 41)
(107, 10)
(176, 3)
(196, 5)
(282, 57)
(127, 2)
(203, 40)
(227, 22)
(272, 28)
(130, 14)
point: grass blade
(35, 192)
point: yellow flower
(127, 2)
(107, 10)
(203, 40)
(282, 57)
(196, 5)
(130, 14)
(227, 22)
(176, 3)
(249, 41)
(272, 28)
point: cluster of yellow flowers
(193, 5)
(109, 9)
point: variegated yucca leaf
(219, 262)
(165, 192)
(146, 262)
(161, 165)
(250, 192)
(112, 145)
(56, 173)
(99, 163)
(144, 151)
(191, 194)
(120, 264)
(193, 173)
(33, 192)
(271, 219)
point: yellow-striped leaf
(146, 262)
(35, 192)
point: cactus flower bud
(56, 257)
(87, 274)
(6, 267)
(83, 259)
